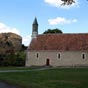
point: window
(37, 55)
(58, 55)
(83, 55)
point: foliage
(68, 2)
(12, 51)
(14, 58)
(52, 78)
(23, 48)
(17, 59)
(49, 31)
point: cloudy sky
(17, 16)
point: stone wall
(10, 42)
(56, 58)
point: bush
(17, 59)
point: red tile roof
(61, 42)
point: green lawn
(51, 78)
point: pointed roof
(35, 21)
(61, 42)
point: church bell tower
(35, 28)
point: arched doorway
(47, 62)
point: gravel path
(3, 71)
(5, 85)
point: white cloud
(4, 29)
(61, 20)
(26, 40)
(74, 20)
(57, 3)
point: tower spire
(35, 28)
(35, 21)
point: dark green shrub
(17, 59)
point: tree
(23, 47)
(50, 31)
(68, 2)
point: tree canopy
(68, 2)
(50, 31)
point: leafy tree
(23, 48)
(15, 59)
(50, 31)
(68, 2)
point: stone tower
(35, 28)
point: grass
(51, 78)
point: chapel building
(57, 49)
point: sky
(17, 16)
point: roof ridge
(63, 34)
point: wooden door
(47, 62)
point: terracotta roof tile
(61, 42)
